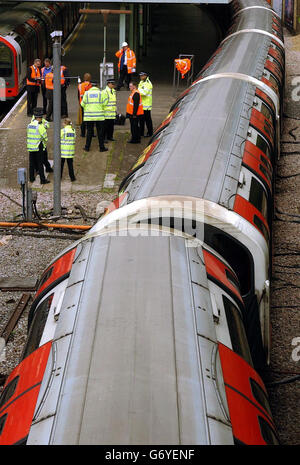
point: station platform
(95, 171)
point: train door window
(263, 146)
(6, 61)
(266, 112)
(260, 395)
(235, 254)
(257, 221)
(258, 197)
(8, 391)
(237, 330)
(37, 326)
(267, 432)
(2, 422)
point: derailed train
(153, 328)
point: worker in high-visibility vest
(33, 83)
(93, 103)
(134, 111)
(67, 147)
(110, 109)
(47, 68)
(82, 88)
(36, 135)
(49, 93)
(126, 64)
(145, 88)
(45, 160)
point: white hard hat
(124, 44)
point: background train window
(37, 326)
(6, 61)
(234, 253)
(258, 197)
(237, 330)
(22, 44)
(260, 395)
(267, 432)
(8, 391)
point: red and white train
(154, 327)
(25, 35)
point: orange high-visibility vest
(62, 80)
(49, 81)
(131, 60)
(35, 74)
(183, 66)
(82, 88)
(130, 104)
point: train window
(263, 146)
(265, 172)
(237, 330)
(273, 81)
(8, 391)
(45, 276)
(267, 432)
(37, 326)
(2, 422)
(22, 44)
(260, 395)
(232, 279)
(258, 197)
(235, 254)
(6, 61)
(266, 112)
(257, 221)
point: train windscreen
(6, 61)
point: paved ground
(84, 54)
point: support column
(122, 27)
(56, 122)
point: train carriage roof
(179, 165)
(134, 349)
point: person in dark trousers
(94, 102)
(145, 89)
(33, 83)
(45, 160)
(49, 93)
(36, 137)
(47, 68)
(65, 82)
(134, 111)
(110, 110)
(126, 64)
(82, 88)
(67, 147)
